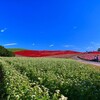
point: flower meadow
(43, 53)
(47, 79)
(89, 56)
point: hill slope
(15, 49)
(43, 53)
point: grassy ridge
(15, 49)
(70, 78)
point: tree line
(5, 52)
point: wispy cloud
(33, 44)
(3, 30)
(67, 46)
(51, 45)
(10, 44)
(72, 47)
(93, 46)
(89, 48)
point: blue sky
(50, 24)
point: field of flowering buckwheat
(47, 79)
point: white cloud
(72, 47)
(10, 44)
(3, 30)
(89, 48)
(66, 46)
(93, 46)
(51, 45)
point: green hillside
(15, 49)
(48, 79)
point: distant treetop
(98, 49)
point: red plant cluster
(36, 53)
(90, 56)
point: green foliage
(98, 49)
(17, 86)
(50, 79)
(5, 53)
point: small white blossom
(63, 98)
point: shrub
(5, 53)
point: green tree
(98, 49)
(5, 53)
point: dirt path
(86, 62)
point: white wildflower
(63, 98)
(57, 91)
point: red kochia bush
(43, 53)
(90, 56)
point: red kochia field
(43, 53)
(90, 55)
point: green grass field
(48, 79)
(15, 49)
